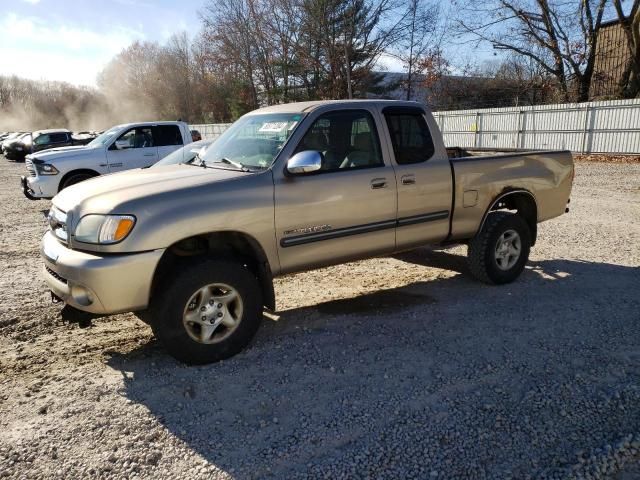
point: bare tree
(418, 41)
(558, 35)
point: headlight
(45, 169)
(104, 229)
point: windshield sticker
(273, 127)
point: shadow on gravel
(447, 375)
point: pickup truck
(123, 147)
(193, 248)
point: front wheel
(208, 312)
(499, 252)
(75, 178)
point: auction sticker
(273, 127)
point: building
(612, 59)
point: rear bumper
(101, 284)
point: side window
(412, 142)
(135, 138)
(164, 135)
(346, 140)
(41, 139)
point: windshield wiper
(228, 161)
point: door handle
(149, 154)
(379, 183)
(408, 179)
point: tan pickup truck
(193, 248)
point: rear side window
(412, 142)
(58, 137)
(164, 135)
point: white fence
(211, 130)
(593, 127)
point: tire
(143, 316)
(73, 179)
(491, 253)
(188, 341)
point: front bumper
(98, 283)
(35, 188)
(26, 189)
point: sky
(72, 40)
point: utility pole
(347, 44)
(413, 29)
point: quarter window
(412, 142)
(346, 140)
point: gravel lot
(400, 367)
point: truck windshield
(104, 137)
(253, 141)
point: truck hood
(60, 153)
(104, 194)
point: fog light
(81, 295)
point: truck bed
(478, 180)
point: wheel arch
(226, 244)
(523, 202)
(77, 171)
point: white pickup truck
(123, 147)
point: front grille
(30, 168)
(55, 275)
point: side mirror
(122, 144)
(308, 161)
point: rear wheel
(499, 252)
(75, 178)
(207, 313)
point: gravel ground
(400, 367)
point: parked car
(10, 138)
(122, 147)
(184, 155)
(38, 141)
(193, 248)
(195, 136)
(13, 149)
(83, 138)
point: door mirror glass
(308, 161)
(122, 144)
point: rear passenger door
(168, 139)
(423, 179)
(135, 148)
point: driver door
(135, 148)
(345, 210)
